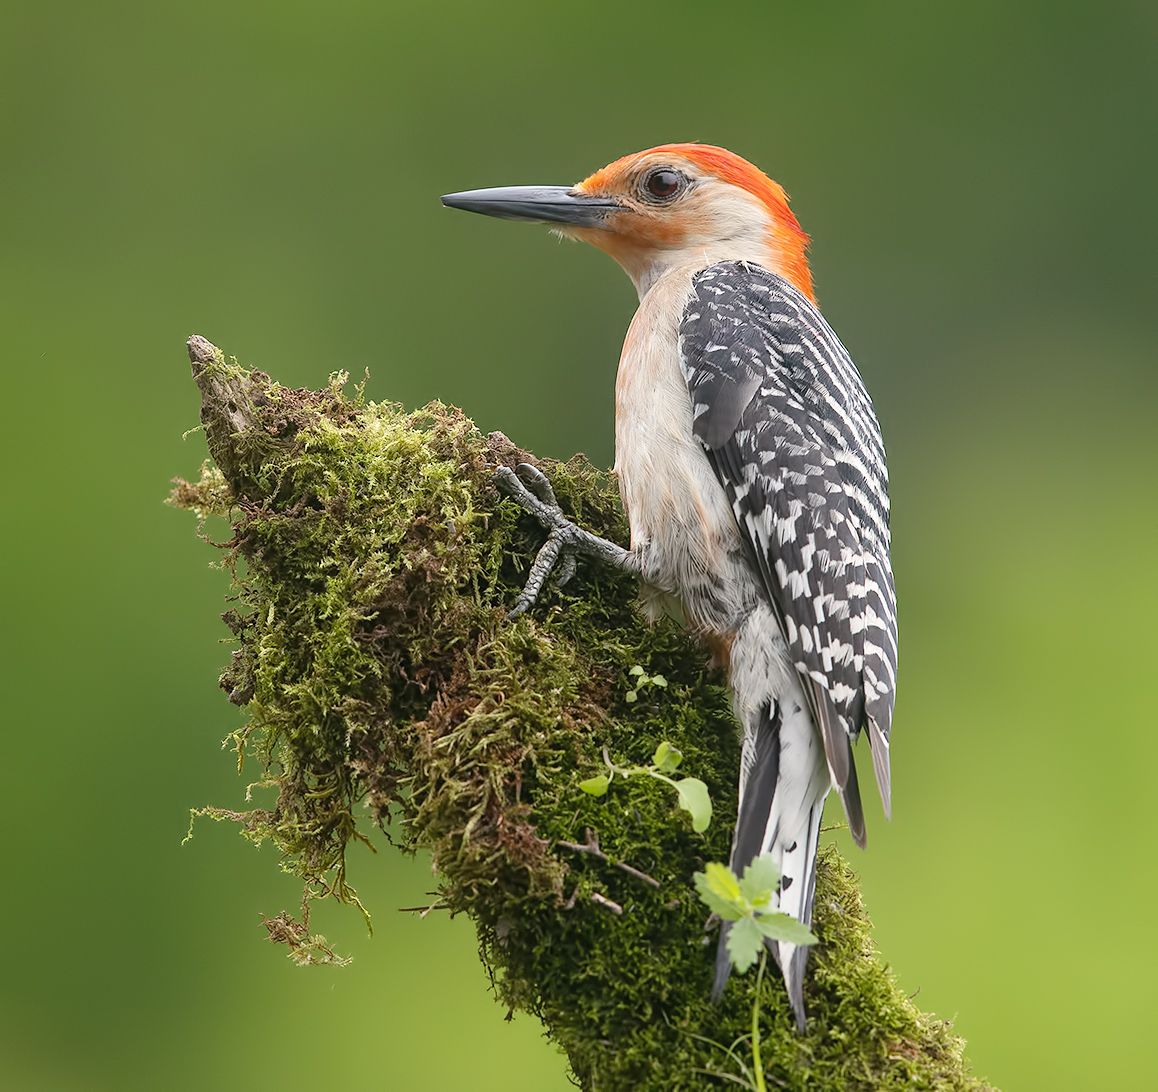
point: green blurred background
(980, 186)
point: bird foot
(530, 488)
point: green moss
(373, 562)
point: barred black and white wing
(790, 432)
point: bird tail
(798, 865)
(783, 782)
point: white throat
(647, 273)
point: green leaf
(597, 785)
(666, 757)
(636, 670)
(779, 926)
(760, 879)
(695, 800)
(659, 680)
(744, 941)
(630, 696)
(720, 891)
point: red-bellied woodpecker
(753, 475)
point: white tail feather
(798, 888)
(784, 780)
(792, 835)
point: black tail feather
(853, 810)
(758, 791)
(752, 820)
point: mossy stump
(373, 563)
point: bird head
(664, 208)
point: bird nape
(753, 476)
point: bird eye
(663, 183)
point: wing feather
(792, 437)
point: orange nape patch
(787, 237)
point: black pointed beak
(543, 204)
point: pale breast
(682, 526)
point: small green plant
(747, 904)
(691, 792)
(640, 680)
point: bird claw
(531, 489)
(538, 483)
(566, 570)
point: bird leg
(529, 487)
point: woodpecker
(752, 471)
